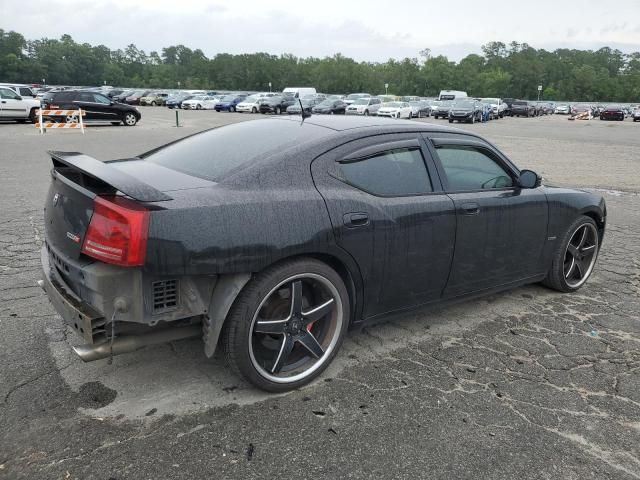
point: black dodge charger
(274, 250)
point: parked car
(307, 104)
(420, 108)
(349, 99)
(395, 110)
(636, 115)
(466, 110)
(25, 91)
(153, 99)
(228, 103)
(330, 107)
(563, 109)
(582, 108)
(200, 102)
(195, 240)
(612, 112)
(134, 98)
(498, 107)
(122, 96)
(364, 106)
(175, 101)
(546, 108)
(251, 104)
(277, 104)
(522, 108)
(15, 107)
(440, 108)
(98, 107)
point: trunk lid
(76, 181)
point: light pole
(44, 84)
(269, 87)
(386, 88)
(539, 90)
(178, 84)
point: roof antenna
(302, 112)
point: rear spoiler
(109, 175)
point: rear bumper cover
(82, 317)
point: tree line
(503, 70)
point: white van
(299, 92)
(451, 94)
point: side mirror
(529, 179)
(17, 97)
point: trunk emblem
(73, 237)
(56, 197)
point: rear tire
(562, 275)
(153, 104)
(33, 118)
(254, 110)
(253, 351)
(198, 107)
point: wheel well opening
(599, 223)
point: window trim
(379, 151)
(439, 143)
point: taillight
(118, 231)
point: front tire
(575, 256)
(129, 119)
(254, 110)
(287, 324)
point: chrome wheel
(580, 255)
(71, 119)
(295, 328)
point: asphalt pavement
(527, 384)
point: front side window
(101, 99)
(398, 172)
(470, 168)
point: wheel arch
(229, 286)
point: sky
(373, 30)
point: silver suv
(364, 106)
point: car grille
(165, 295)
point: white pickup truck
(15, 107)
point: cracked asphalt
(527, 384)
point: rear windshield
(216, 153)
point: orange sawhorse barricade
(60, 113)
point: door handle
(470, 208)
(356, 219)
(3, 101)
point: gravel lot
(525, 384)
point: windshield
(491, 100)
(355, 96)
(361, 101)
(228, 98)
(251, 99)
(326, 103)
(393, 104)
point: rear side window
(64, 97)
(469, 168)
(26, 92)
(395, 173)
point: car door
(388, 211)
(501, 228)
(11, 104)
